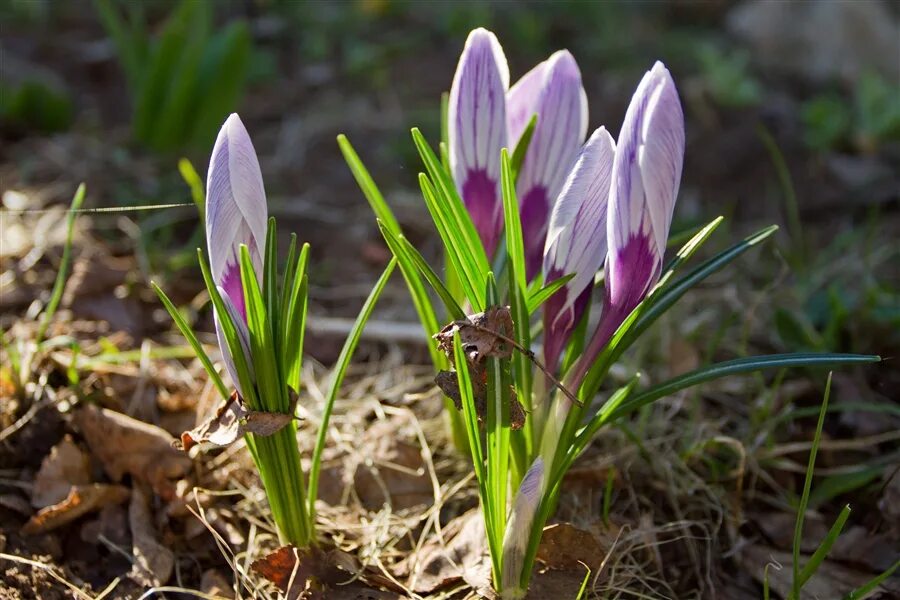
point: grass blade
(59, 285)
(337, 379)
(740, 365)
(191, 338)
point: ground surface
(704, 484)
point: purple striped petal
(561, 107)
(576, 240)
(236, 210)
(645, 179)
(646, 176)
(521, 102)
(240, 324)
(477, 131)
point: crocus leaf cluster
(260, 318)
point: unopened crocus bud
(476, 123)
(645, 179)
(518, 528)
(236, 214)
(554, 92)
(576, 241)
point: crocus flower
(576, 241)
(553, 91)
(236, 214)
(477, 131)
(483, 118)
(646, 174)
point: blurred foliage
(845, 297)
(867, 119)
(183, 81)
(35, 105)
(727, 77)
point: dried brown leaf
(153, 562)
(81, 500)
(449, 384)
(482, 335)
(65, 466)
(125, 445)
(294, 571)
(232, 421)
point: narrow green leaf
(518, 156)
(192, 179)
(740, 365)
(273, 397)
(367, 185)
(444, 184)
(541, 295)
(59, 285)
(337, 378)
(797, 580)
(232, 338)
(818, 557)
(864, 590)
(469, 275)
(191, 338)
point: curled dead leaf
(65, 466)
(80, 500)
(153, 562)
(482, 335)
(449, 384)
(126, 445)
(232, 421)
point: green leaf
(273, 397)
(469, 275)
(464, 236)
(737, 366)
(337, 378)
(406, 253)
(192, 179)
(797, 579)
(864, 590)
(59, 285)
(381, 209)
(295, 319)
(541, 295)
(522, 146)
(818, 557)
(191, 338)
(232, 340)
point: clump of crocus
(567, 212)
(260, 321)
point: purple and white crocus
(645, 176)
(483, 118)
(236, 214)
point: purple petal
(240, 323)
(477, 131)
(236, 210)
(518, 528)
(646, 176)
(576, 240)
(562, 123)
(521, 102)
